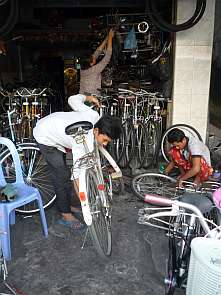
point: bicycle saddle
(202, 202)
(73, 128)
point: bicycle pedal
(141, 220)
(141, 212)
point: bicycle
(164, 185)
(95, 193)
(192, 216)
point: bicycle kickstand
(85, 238)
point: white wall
(192, 67)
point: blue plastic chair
(24, 195)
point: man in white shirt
(191, 156)
(53, 142)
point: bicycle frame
(175, 209)
(92, 159)
(181, 232)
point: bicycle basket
(205, 267)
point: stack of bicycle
(21, 109)
(141, 113)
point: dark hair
(175, 135)
(110, 126)
(86, 62)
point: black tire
(171, 267)
(187, 129)
(35, 173)
(154, 183)
(140, 146)
(179, 254)
(128, 155)
(100, 229)
(117, 147)
(152, 143)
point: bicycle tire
(100, 229)
(140, 138)
(127, 156)
(35, 173)
(117, 147)
(171, 267)
(187, 129)
(154, 183)
(153, 143)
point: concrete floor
(58, 266)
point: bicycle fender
(117, 173)
(84, 198)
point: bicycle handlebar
(29, 92)
(175, 209)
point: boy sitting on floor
(191, 156)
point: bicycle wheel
(100, 229)
(117, 146)
(171, 267)
(35, 173)
(152, 143)
(187, 129)
(154, 183)
(140, 145)
(130, 140)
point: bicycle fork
(185, 247)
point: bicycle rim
(100, 229)
(187, 129)
(35, 173)
(154, 183)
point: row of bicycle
(21, 109)
(140, 111)
(142, 114)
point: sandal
(73, 224)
